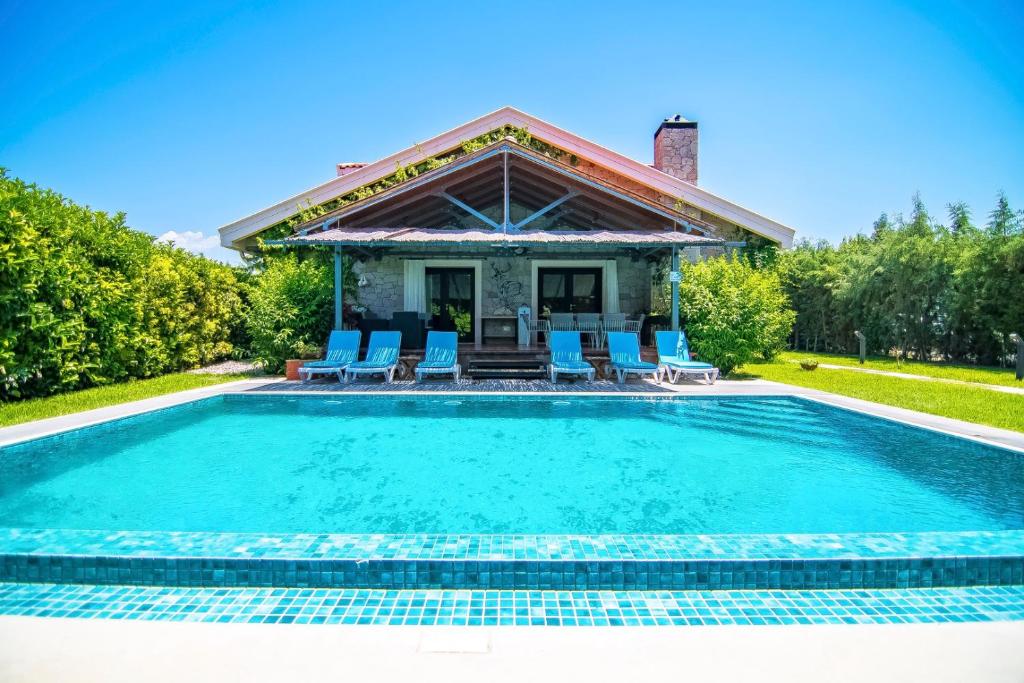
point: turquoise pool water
(480, 465)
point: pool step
(506, 368)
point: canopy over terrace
(508, 201)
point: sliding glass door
(451, 300)
(569, 290)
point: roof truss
(506, 187)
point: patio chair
(612, 322)
(624, 348)
(535, 326)
(590, 324)
(562, 322)
(674, 356)
(635, 325)
(342, 351)
(381, 357)
(567, 356)
(441, 357)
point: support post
(505, 218)
(863, 341)
(339, 290)
(1017, 339)
(674, 278)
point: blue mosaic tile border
(160, 544)
(837, 561)
(518, 574)
(513, 608)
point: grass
(964, 373)
(99, 397)
(973, 404)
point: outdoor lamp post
(1016, 339)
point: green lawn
(87, 399)
(964, 373)
(973, 404)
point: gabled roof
(233, 234)
(530, 166)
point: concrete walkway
(42, 650)
(907, 375)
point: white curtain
(611, 287)
(415, 286)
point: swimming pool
(509, 465)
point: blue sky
(819, 115)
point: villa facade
(509, 211)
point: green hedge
(87, 301)
(915, 287)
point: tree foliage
(733, 311)
(87, 301)
(915, 287)
(290, 305)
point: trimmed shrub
(733, 312)
(86, 301)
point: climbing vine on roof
(402, 174)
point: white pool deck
(46, 649)
(55, 649)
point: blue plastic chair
(567, 356)
(441, 357)
(624, 349)
(342, 351)
(381, 357)
(674, 356)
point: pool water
(500, 465)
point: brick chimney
(675, 148)
(347, 167)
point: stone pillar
(675, 148)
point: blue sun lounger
(441, 356)
(674, 356)
(567, 356)
(624, 349)
(342, 351)
(381, 357)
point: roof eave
(233, 234)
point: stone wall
(383, 292)
(505, 283)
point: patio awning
(385, 237)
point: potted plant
(809, 364)
(303, 351)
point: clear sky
(820, 115)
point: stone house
(507, 211)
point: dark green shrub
(291, 303)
